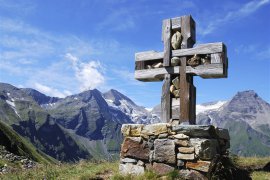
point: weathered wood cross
(177, 65)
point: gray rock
(175, 61)
(164, 151)
(163, 135)
(194, 61)
(205, 149)
(172, 88)
(175, 82)
(191, 174)
(223, 133)
(181, 136)
(157, 65)
(196, 130)
(129, 168)
(176, 40)
(186, 156)
(176, 93)
(140, 163)
(128, 160)
(180, 163)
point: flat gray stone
(186, 156)
(196, 130)
(164, 151)
(181, 136)
(128, 160)
(205, 149)
(140, 163)
(129, 168)
(223, 133)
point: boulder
(205, 149)
(131, 129)
(161, 168)
(129, 168)
(155, 129)
(196, 130)
(164, 151)
(133, 148)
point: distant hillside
(19, 146)
(247, 117)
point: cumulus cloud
(89, 75)
(51, 91)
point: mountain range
(87, 125)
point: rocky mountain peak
(39, 97)
(86, 96)
(116, 96)
(247, 102)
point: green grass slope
(245, 141)
(18, 145)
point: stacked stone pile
(164, 147)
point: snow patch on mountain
(149, 109)
(12, 105)
(209, 106)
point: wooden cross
(179, 62)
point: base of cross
(195, 151)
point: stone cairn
(162, 148)
(192, 149)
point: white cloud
(50, 91)
(231, 16)
(90, 75)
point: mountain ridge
(89, 122)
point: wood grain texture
(167, 42)
(175, 25)
(166, 99)
(184, 92)
(192, 112)
(188, 29)
(216, 58)
(205, 71)
(209, 48)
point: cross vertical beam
(166, 95)
(187, 89)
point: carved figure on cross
(177, 65)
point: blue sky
(62, 47)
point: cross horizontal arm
(204, 71)
(209, 48)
